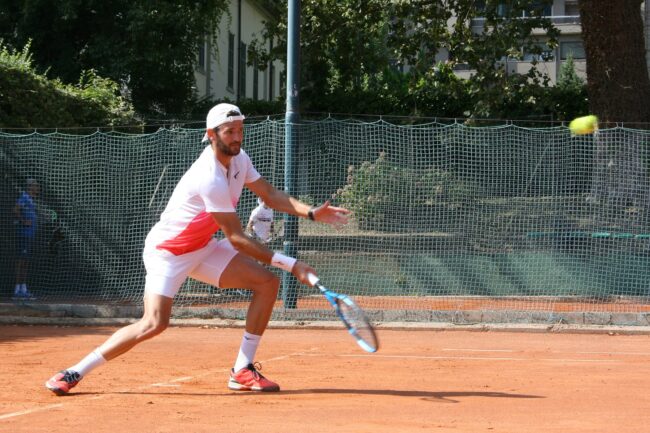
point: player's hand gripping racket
(351, 315)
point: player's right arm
(231, 227)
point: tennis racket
(351, 315)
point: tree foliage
(356, 50)
(342, 45)
(29, 99)
(618, 82)
(481, 35)
(149, 46)
(569, 96)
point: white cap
(220, 114)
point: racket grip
(313, 279)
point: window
(283, 82)
(545, 54)
(256, 81)
(571, 9)
(504, 9)
(574, 49)
(547, 10)
(201, 60)
(271, 82)
(231, 61)
(242, 70)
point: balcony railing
(557, 20)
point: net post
(289, 286)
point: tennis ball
(584, 125)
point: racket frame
(335, 299)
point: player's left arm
(281, 201)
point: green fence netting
(446, 217)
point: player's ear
(210, 134)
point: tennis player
(260, 223)
(181, 245)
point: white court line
(28, 411)
(479, 350)
(182, 379)
(552, 351)
(477, 358)
(615, 353)
(140, 388)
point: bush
(388, 197)
(29, 99)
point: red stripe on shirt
(196, 235)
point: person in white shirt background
(260, 224)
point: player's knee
(272, 284)
(153, 326)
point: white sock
(17, 289)
(93, 360)
(247, 350)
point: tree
(30, 100)
(617, 73)
(483, 36)
(569, 96)
(148, 46)
(342, 44)
(385, 52)
(619, 90)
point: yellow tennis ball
(584, 125)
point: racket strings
(358, 322)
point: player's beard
(227, 149)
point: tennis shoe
(62, 382)
(250, 379)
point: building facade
(565, 15)
(223, 72)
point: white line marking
(140, 388)
(182, 379)
(28, 411)
(474, 358)
(581, 360)
(478, 350)
(477, 358)
(614, 353)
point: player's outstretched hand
(336, 216)
(301, 271)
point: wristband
(310, 214)
(283, 262)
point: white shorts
(167, 272)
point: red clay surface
(460, 303)
(419, 381)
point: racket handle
(313, 279)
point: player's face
(229, 137)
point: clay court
(420, 380)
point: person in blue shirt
(26, 225)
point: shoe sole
(55, 390)
(236, 386)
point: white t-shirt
(186, 224)
(261, 219)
